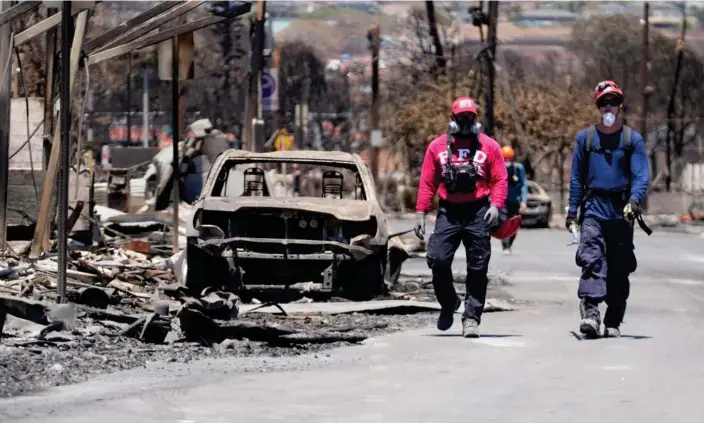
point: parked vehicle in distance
(539, 210)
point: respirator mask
(467, 126)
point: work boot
(591, 319)
(447, 316)
(470, 328)
(612, 333)
(507, 251)
(614, 315)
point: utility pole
(644, 89)
(673, 94)
(5, 105)
(256, 62)
(491, 72)
(374, 37)
(62, 192)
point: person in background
(517, 191)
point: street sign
(376, 140)
(270, 94)
(283, 141)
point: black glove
(420, 225)
(570, 220)
(631, 211)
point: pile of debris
(136, 295)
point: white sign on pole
(270, 92)
(376, 139)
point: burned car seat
(332, 184)
(254, 183)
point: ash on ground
(29, 366)
(34, 357)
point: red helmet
(464, 105)
(606, 87)
(507, 228)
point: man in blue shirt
(608, 183)
(517, 191)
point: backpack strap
(627, 138)
(588, 147)
(589, 142)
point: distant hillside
(334, 31)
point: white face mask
(608, 119)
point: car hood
(342, 209)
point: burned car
(248, 228)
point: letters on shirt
(463, 157)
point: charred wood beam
(128, 25)
(104, 55)
(34, 311)
(49, 23)
(151, 25)
(18, 10)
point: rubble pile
(127, 308)
(135, 295)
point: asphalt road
(527, 366)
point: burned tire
(362, 280)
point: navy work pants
(606, 256)
(512, 209)
(461, 223)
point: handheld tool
(574, 229)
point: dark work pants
(512, 209)
(606, 256)
(461, 223)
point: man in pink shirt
(472, 188)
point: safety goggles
(611, 101)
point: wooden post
(40, 243)
(175, 135)
(49, 90)
(5, 106)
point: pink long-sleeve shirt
(492, 178)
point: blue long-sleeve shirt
(608, 174)
(517, 190)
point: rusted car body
(241, 233)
